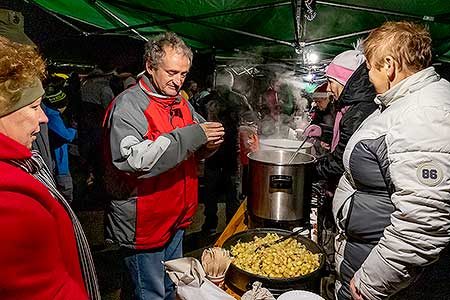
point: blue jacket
(59, 136)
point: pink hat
(342, 66)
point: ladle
(296, 151)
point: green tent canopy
(264, 28)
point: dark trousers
(220, 183)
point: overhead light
(309, 77)
(313, 58)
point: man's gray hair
(154, 49)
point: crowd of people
(381, 122)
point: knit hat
(28, 96)
(320, 91)
(342, 66)
(55, 97)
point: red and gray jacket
(151, 169)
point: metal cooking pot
(241, 280)
(279, 193)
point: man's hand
(355, 293)
(214, 132)
(214, 145)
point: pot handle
(280, 183)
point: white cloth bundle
(190, 279)
(257, 293)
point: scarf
(336, 131)
(36, 167)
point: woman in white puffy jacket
(392, 206)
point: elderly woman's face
(23, 124)
(378, 77)
(335, 88)
(322, 102)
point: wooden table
(235, 225)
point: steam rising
(276, 92)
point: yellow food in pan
(289, 258)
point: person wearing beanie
(55, 102)
(44, 253)
(322, 118)
(353, 97)
(12, 28)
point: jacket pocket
(341, 202)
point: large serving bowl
(242, 281)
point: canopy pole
(112, 15)
(299, 21)
(206, 24)
(337, 37)
(261, 37)
(195, 17)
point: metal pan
(241, 281)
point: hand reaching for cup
(214, 132)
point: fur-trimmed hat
(342, 66)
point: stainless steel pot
(279, 191)
(241, 281)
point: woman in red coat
(43, 251)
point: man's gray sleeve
(131, 152)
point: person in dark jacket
(322, 118)
(230, 108)
(354, 95)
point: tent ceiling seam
(201, 16)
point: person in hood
(153, 139)
(392, 207)
(353, 95)
(44, 253)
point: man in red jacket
(153, 141)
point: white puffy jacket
(392, 206)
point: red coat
(38, 253)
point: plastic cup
(217, 280)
